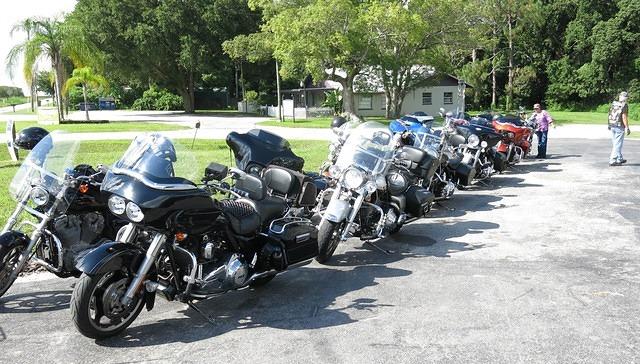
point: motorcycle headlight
(473, 140)
(39, 196)
(353, 178)
(397, 183)
(134, 213)
(484, 144)
(116, 204)
(254, 170)
(334, 171)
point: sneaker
(614, 164)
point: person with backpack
(543, 119)
(618, 124)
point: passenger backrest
(282, 181)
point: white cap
(623, 96)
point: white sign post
(10, 134)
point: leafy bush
(251, 96)
(75, 96)
(169, 101)
(154, 99)
(10, 91)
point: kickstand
(384, 251)
(198, 310)
(482, 182)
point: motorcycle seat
(269, 208)
(242, 216)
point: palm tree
(86, 78)
(27, 26)
(56, 41)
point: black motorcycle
(181, 242)
(71, 215)
(479, 148)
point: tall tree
(58, 42)
(409, 41)
(324, 38)
(84, 77)
(169, 43)
(27, 26)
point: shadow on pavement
(33, 302)
(301, 299)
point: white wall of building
(412, 102)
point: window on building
(426, 98)
(448, 98)
(365, 103)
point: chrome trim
(292, 220)
(149, 259)
(147, 182)
(191, 279)
(58, 246)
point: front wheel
(96, 306)
(329, 234)
(9, 258)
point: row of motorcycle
(152, 224)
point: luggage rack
(278, 226)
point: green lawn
(99, 128)
(107, 152)
(20, 112)
(316, 123)
(13, 101)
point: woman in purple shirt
(544, 120)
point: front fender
(109, 256)
(10, 239)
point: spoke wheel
(8, 263)
(97, 308)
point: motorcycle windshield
(369, 147)
(46, 167)
(426, 141)
(153, 160)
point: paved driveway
(542, 265)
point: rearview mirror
(215, 171)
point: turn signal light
(181, 236)
(84, 188)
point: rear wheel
(328, 239)
(9, 258)
(96, 306)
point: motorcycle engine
(77, 233)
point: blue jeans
(542, 143)
(617, 139)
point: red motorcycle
(517, 136)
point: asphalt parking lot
(540, 265)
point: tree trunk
(86, 106)
(244, 91)
(57, 67)
(192, 94)
(348, 98)
(493, 80)
(278, 92)
(187, 100)
(510, 82)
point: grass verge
(100, 128)
(108, 151)
(315, 123)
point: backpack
(615, 113)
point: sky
(12, 13)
